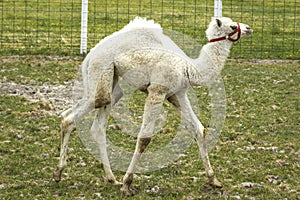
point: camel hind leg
(99, 132)
(102, 98)
(104, 86)
(81, 109)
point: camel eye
(233, 27)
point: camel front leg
(152, 110)
(182, 103)
(201, 141)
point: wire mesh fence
(53, 26)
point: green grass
(44, 27)
(259, 143)
(36, 70)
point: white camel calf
(166, 72)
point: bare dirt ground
(54, 98)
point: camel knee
(65, 124)
(143, 143)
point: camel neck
(210, 62)
(218, 52)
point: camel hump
(140, 22)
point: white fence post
(218, 9)
(84, 25)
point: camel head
(225, 29)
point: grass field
(53, 27)
(258, 153)
(257, 157)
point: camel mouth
(247, 32)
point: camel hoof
(113, 181)
(117, 183)
(215, 183)
(57, 175)
(127, 191)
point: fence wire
(53, 26)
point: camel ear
(219, 22)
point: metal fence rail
(53, 26)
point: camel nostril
(248, 27)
